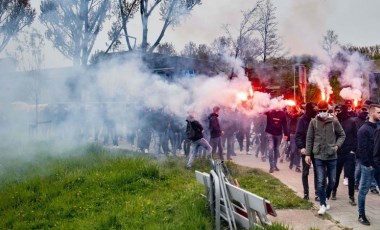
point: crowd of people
(328, 139)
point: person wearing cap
(324, 137)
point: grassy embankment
(104, 189)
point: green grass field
(96, 188)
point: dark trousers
(305, 176)
(243, 134)
(346, 160)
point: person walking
(346, 154)
(293, 114)
(194, 132)
(215, 132)
(324, 137)
(301, 132)
(367, 157)
(276, 130)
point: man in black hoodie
(365, 152)
(346, 154)
(276, 130)
(301, 131)
(197, 139)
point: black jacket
(214, 126)
(360, 119)
(301, 131)
(366, 143)
(276, 123)
(292, 120)
(198, 129)
(376, 148)
(350, 143)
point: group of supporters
(337, 139)
(332, 139)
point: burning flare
(242, 96)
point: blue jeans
(325, 168)
(273, 149)
(367, 176)
(196, 145)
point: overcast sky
(301, 24)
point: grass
(94, 188)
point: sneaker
(277, 169)
(322, 210)
(345, 181)
(356, 187)
(290, 167)
(374, 191)
(333, 196)
(316, 198)
(248, 153)
(298, 169)
(352, 201)
(327, 206)
(363, 220)
(271, 170)
(306, 196)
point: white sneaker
(322, 210)
(345, 181)
(327, 206)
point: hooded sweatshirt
(303, 125)
(349, 126)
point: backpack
(190, 131)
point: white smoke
(319, 75)
(353, 76)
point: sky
(301, 25)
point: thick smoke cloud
(354, 69)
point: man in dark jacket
(301, 131)
(366, 154)
(293, 114)
(324, 137)
(346, 154)
(359, 121)
(215, 132)
(197, 139)
(276, 130)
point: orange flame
(290, 103)
(251, 92)
(242, 96)
(356, 103)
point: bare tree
(270, 41)
(248, 25)
(190, 50)
(73, 25)
(125, 11)
(166, 49)
(14, 16)
(171, 12)
(330, 42)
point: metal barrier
(233, 204)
